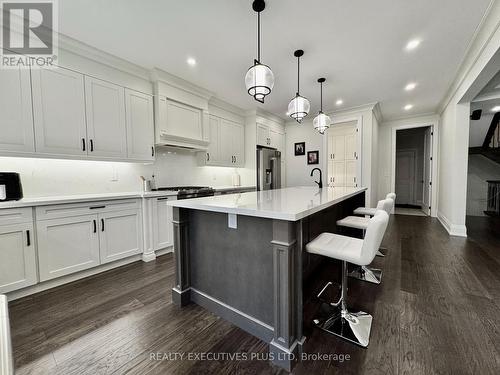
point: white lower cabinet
(71, 241)
(120, 235)
(17, 257)
(163, 233)
(67, 245)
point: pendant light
(259, 79)
(321, 122)
(299, 107)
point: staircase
(491, 144)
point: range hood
(190, 146)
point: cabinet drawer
(16, 215)
(85, 208)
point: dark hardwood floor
(436, 312)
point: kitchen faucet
(320, 182)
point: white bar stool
(336, 318)
(366, 211)
(365, 273)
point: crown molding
(217, 102)
(360, 108)
(265, 114)
(157, 74)
(489, 25)
(429, 117)
(79, 48)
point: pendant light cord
(321, 95)
(298, 75)
(258, 37)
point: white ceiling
(357, 45)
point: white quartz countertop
(61, 199)
(290, 204)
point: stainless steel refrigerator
(268, 168)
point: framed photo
(300, 148)
(313, 157)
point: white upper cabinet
(212, 155)
(59, 112)
(238, 144)
(140, 125)
(263, 138)
(277, 139)
(16, 118)
(106, 128)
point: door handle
(83, 144)
(208, 156)
(91, 145)
(152, 151)
(102, 225)
(162, 199)
(28, 239)
(235, 159)
(95, 226)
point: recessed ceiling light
(410, 86)
(496, 109)
(191, 61)
(412, 44)
(408, 107)
(339, 102)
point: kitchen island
(242, 256)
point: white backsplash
(48, 177)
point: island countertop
(291, 204)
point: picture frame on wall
(313, 157)
(300, 148)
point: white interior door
(16, 117)
(106, 128)
(427, 171)
(59, 112)
(405, 177)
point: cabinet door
(140, 125)
(17, 257)
(238, 143)
(350, 147)
(339, 177)
(330, 147)
(59, 112)
(263, 135)
(338, 148)
(163, 230)
(184, 121)
(106, 128)
(277, 139)
(120, 234)
(350, 173)
(16, 117)
(212, 154)
(226, 138)
(331, 173)
(67, 245)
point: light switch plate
(232, 221)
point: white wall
(480, 65)
(297, 171)
(46, 177)
(478, 129)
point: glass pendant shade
(298, 108)
(259, 81)
(321, 122)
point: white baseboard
(452, 229)
(152, 256)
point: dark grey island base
(251, 276)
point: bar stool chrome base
(364, 273)
(351, 326)
(336, 319)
